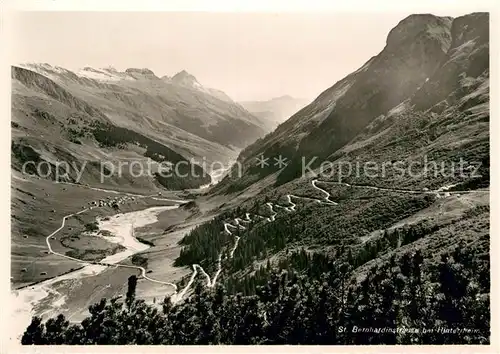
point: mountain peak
(183, 73)
(185, 79)
(183, 76)
(143, 71)
(434, 27)
(110, 69)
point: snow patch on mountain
(109, 74)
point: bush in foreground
(294, 309)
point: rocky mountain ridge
(419, 67)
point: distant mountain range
(285, 250)
(276, 110)
(179, 114)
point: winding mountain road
(237, 221)
(142, 269)
(112, 191)
(292, 207)
(327, 195)
(211, 282)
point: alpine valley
(362, 218)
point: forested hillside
(402, 301)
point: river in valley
(27, 302)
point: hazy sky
(249, 56)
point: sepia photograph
(250, 178)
